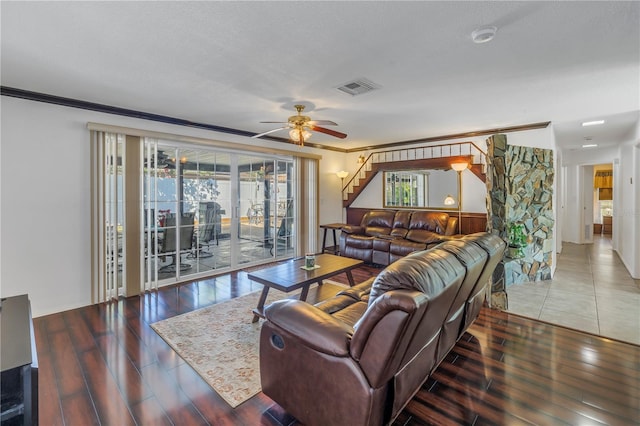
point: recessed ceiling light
(593, 123)
(483, 34)
(590, 145)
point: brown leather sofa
(385, 236)
(359, 357)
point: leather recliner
(385, 236)
(359, 357)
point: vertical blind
(107, 221)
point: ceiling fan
(300, 127)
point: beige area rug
(222, 344)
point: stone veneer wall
(530, 175)
(496, 207)
(519, 190)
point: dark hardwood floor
(104, 364)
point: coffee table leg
(305, 292)
(260, 308)
(350, 278)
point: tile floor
(591, 291)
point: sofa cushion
(351, 314)
(378, 218)
(381, 244)
(364, 254)
(430, 221)
(359, 291)
(335, 304)
(404, 247)
(423, 236)
(425, 271)
(401, 219)
(360, 241)
(399, 232)
(377, 231)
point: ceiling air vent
(358, 87)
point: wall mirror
(420, 189)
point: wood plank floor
(103, 364)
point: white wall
(331, 210)
(559, 198)
(626, 219)
(45, 198)
(371, 195)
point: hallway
(591, 291)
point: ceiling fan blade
(323, 122)
(329, 132)
(270, 131)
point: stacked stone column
(519, 191)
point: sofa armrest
(352, 229)
(358, 291)
(311, 326)
(452, 226)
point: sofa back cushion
(401, 224)
(494, 246)
(425, 271)
(378, 222)
(429, 221)
(474, 259)
(423, 236)
(398, 333)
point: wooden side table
(335, 248)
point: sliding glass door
(209, 210)
(266, 206)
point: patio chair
(210, 228)
(169, 242)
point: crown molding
(108, 109)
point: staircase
(427, 157)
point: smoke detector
(484, 34)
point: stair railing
(418, 153)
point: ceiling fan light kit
(300, 127)
(299, 135)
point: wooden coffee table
(289, 276)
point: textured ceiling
(234, 64)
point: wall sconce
(361, 159)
